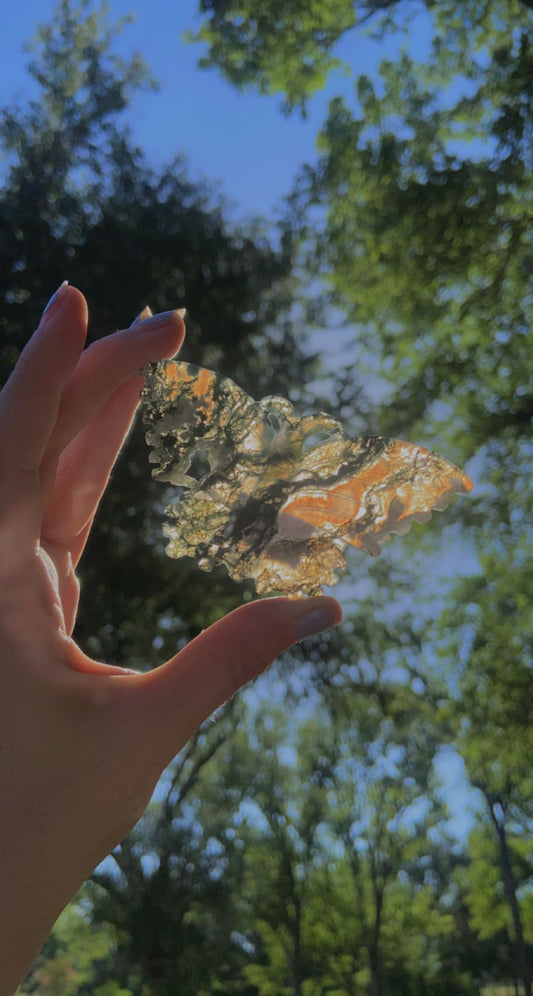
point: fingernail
(317, 621)
(182, 312)
(157, 321)
(55, 299)
(142, 316)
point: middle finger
(81, 472)
(107, 364)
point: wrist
(39, 874)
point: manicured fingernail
(142, 316)
(316, 621)
(55, 299)
(157, 321)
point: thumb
(182, 693)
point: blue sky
(241, 140)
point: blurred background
(340, 192)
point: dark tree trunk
(510, 891)
(373, 950)
(297, 967)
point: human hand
(82, 744)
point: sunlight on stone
(275, 497)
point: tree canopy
(304, 847)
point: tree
(494, 737)
(422, 231)
(168, 892)
(79, 199)
(345, 877)
(418, 214)
(69, 962)
(284, 48)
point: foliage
(418, 213)
(244, 42)
(71, 957)
(285, 48)
(79, 199)
(305, 850)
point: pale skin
(82, 744)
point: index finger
(29, 402)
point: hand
(82, 744)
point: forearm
(27, 913)
(39, 874)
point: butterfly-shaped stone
(275, 497)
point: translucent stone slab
(275, 497)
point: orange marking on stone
(203, 383)
(175, 376)
(336, 506)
